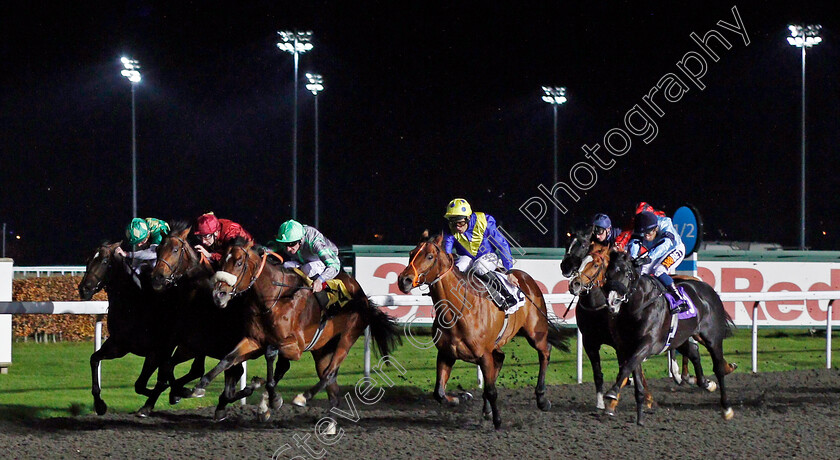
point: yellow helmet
(458, 209)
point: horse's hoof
(728, 413)
(100, 407)
(599, 401)
(487, 415)
(544, 405)
(220, 415)
(299, 401)
(264, 416)
(277, 403)
(640, 422)
(198, 393)
(611, 395)
(143, 412)
(173, 399)
(257, 382)
(497, 423)
(466, 396)
(710, 386)
(452, 401)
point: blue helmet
(601, 220)
(645, 221)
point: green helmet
(289, 232)
(157, 230)
(137, 231)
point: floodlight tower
(315, 85)
(555, 95)
(803, 36)
(131, 71)
(296, 43)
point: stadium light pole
(131, 71)
(555, 95)
(803, 36)
(315, 85)
(296, 43)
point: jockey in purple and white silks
(657, 238)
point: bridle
(173, 275)
(415, 281)
(100, 280)
(235, 290)
(596, 279)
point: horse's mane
(178, 226)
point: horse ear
(425, 235)
(249, 244)
(185, 233)
(439, 238)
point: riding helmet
(290, 231)
(645, 222)
(458, 209)
(601, 220)
(207, 224)
(137, 231)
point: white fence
(388, 302)
(25, 272)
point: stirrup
(681, 307)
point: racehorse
(470, 327)
(585, 269)
(644, 328)
(200, 328)
(136, 324)
(282, 313)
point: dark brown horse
(470, 327)
(643, 327)
(200, 328)
(585, 264)
(282, 313)
(135, 324)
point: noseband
(235, 291)
(416, 280)
(592, 281)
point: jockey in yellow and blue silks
(479, 245)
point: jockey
(602, 230)
(142, 236)
(624, 237)
(657, 238)
(304, 247)
(476, 240)
(215, 234)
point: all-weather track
(777, 415)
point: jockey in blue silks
(602, 229)
(479, 245)
(656, 237)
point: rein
(173, 276)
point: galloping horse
(281, 312)
(470, 327)
(201, 328)
(585, 269)
(643, 327)
(136, 324)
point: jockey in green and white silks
(307, 249)
(473, 236)
(142, 237)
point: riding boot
(497, 293)
(680, 305)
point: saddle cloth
(337, 293)
(692, 310)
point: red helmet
(643, 206)
(207, 224)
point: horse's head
(575, 254)
(427, 262)
(96, 272)
(592, 269)
(175, 257)
(238, 271)
(621, 276)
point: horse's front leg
(444, 369)
(626, 368)
(109, 350)
(593, 352)
(242, 352)
(491, 364)
(640, 387)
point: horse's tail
(383, 329)
(559, 337)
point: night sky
(424, 102)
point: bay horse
(585, 263)
(643, 326)
(136, 324)
(282, 313)
(470, 327)
(200, 329)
